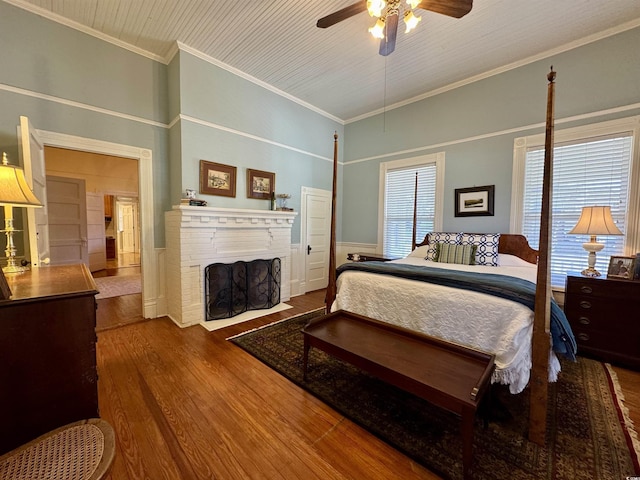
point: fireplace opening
(234, 288)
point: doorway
(127, 236)
(144, 159)
(316, 237)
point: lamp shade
(596, 220)
(14, 190)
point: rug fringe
(273, 323)
(619, 395)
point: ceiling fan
(388, 12)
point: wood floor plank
(186, 403)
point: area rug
(118, 285)
(589, 436)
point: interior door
(31, 151)
(96, 237)
(127, 228)
(318, 236)
(67, 202)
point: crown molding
(505, 68)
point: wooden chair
(81, 450)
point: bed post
(541, 339)
(331, 286)
(415, 215)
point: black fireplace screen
(234, 288)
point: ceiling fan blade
(343, 14)
(451, 8)
(388, 44)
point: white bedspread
(477, 320)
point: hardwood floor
(119, 311)
(188, 404)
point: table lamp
(594, 221)
(14, 192)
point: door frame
(304, 193)
(144, 157)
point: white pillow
(420, 251)
(505, 260)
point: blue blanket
(504, 286)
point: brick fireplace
(199, 236)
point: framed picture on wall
(260, 184)
(217, 179)
(474, 201)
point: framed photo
(622, 268)
(260, 184)
(217, 179)
(474, 201)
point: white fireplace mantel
(199, 236)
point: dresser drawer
(590, 287)
(628, 345)
(599, 314)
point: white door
(126, 215)
(32, 154)
(96, 238)
(67, 202)
(317, 205)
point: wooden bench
(445, 374)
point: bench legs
(468, 416)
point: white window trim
(438, 159)
(522, 144)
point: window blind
(592, 171)
(398, 207)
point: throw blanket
(510, 288)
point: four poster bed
(502, 304)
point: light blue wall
(227, 119)
(475, 125)
(68, 82)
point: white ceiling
(338, 70)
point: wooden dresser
(48, 375)
(604, 317)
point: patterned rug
(587, 435)
(118, 285)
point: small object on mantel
(197, 203)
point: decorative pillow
(505, 260)
(460, 254)
(434, 238)
(420, 251)
(487, 243)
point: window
(591, 166)
(397, 187)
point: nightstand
(367, 257)
(605, 318)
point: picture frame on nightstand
(622, 268)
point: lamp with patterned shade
(14, 192)
(595, 220)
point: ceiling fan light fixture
(378, 29)
(413, 3)
(410, 20)
(375, 7)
